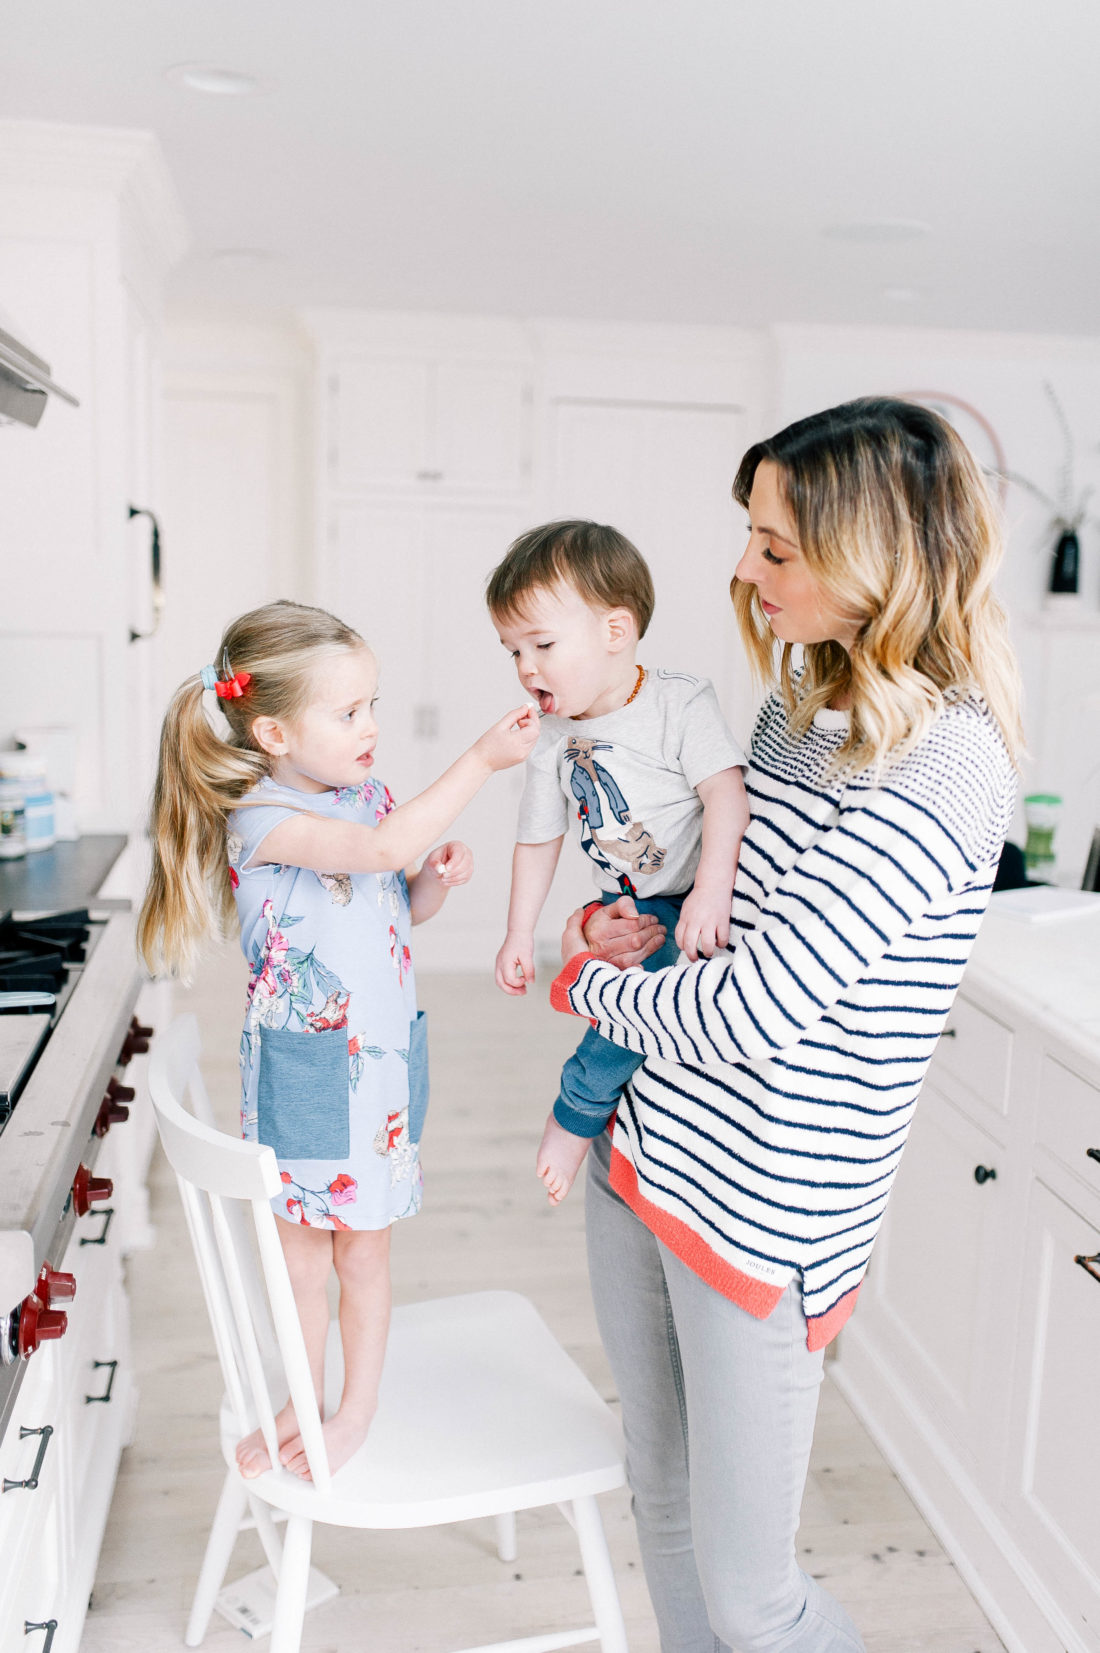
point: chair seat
(481, 1411)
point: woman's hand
(619, 933)
(509, 741)
(452, 863)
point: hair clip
(235, 687)
(231, 685)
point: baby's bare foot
(560, 1157)
(344, 1434)
(252, 1454)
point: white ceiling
(647, 160)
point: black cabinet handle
(99, 1365)
(1093, 1153)
(1091, 1265)
(155, 570)
(950, 1033)
(107, 1213)
(31, 1482)
(49, 1626)
(984, 1173)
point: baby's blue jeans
(593, 1078)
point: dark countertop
(59, 879)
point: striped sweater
(761, 1137)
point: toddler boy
(641, 761)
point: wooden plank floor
(485, 1223)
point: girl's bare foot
(560, 1157)
(252, 1454)
(344, 1434)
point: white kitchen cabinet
(429, 424)
(934, 1266)
(973, 1354)
(89, 225)
(411, 578)
(1052, 1468)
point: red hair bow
(234, 687)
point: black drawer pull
(50, 1627)
(32, 1480)
(1093, 1153)
(99, 1365)
(107, 1213)
(950, 1033)
(1091, 1265)
(984, 1173)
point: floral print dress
(333, 1052)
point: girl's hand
(515, 965)
(622, 935)
(509, 741)
(452, 863)
(704, 925)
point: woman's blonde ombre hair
(895, 521)
(202, 775)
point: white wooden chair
(481, 1412)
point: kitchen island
(973, 1355)
(75, 1138)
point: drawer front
(975, 1053)
(1069, 1120)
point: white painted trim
(125, 163)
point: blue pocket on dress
(418, 1075)
(302, 1100)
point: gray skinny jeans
(718, 1413)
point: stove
(68, 982)
(41, 961)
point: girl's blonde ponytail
(200, 778)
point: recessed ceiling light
(880, 230)
(206, 77)
(241, 257)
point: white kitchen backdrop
(380, 463)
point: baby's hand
(704, 924)
(452, 863)
(515, 964)
(509, 741)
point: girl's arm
(532, 875)
(853, 893)
(704, 925)
(445, 867)
(321, 844)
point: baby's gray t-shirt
(627, 783)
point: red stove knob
(88, 1189)
(53, 1287)
(37, 1324)
(119, 1093)
(111, 1113)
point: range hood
(25, 382)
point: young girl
(280, 818)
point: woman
(732, 1214)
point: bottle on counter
(13, 837)
(27, 770)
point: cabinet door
(1053, 1454)
(432, 425)
(374, 579)
(483, 420)
(468, 682)
(933, 1266)
(662, 476)
(381, 417)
